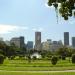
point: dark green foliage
(34, 58)
(64, 52)
(63, 57)
(29, 58)
(54, 60)
(45, 53)
(10, 51)
(73, 58)
(66, 9)
(1, 58)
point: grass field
(36, 73)
(37, 65)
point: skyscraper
(30, 45)
(73, 42)
(38, 40)
(22, 44)
(18, 41)
(66, 38)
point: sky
(24, 17)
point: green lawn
(37, 73)
(38, 65)
(21, 67)
(35, 68)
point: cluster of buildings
(66, 40)
(46, 45)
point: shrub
(73, 58)
(1, 58)
(29, 58)
(34, 57)
(63, 57)
(54, 60)
(59, 57)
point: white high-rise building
(52, 45)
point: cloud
(20, 28)
(5, 29)
(38, 29)
(71, 22)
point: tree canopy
(66, 8)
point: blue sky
(24, 17)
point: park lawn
(37, 65)
(37, 73)
(36, 68)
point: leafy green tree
(54, 60)
(62, 53)
(46, 54)
(67, 7)
(22, 52)
(34, 58)
(29, 59)
(73, 58)
(43, 53)
(10, 52)
(3, 48)
(2, 57)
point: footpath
(38, 71)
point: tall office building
(30, 45)
(73, 42)
(22, 44)
(38, 40)
(18, 41)
(66, 38)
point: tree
(1, 58)
(23, 52)
(34, 57)
(43, 53)
(10, 52)
(2, 48)
(54, 60)
(67, 7)
(2, 51)
(65, 52)
(62, 53)
(73, 58)
(29, 58)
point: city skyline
(37, 36)
(24, 17)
